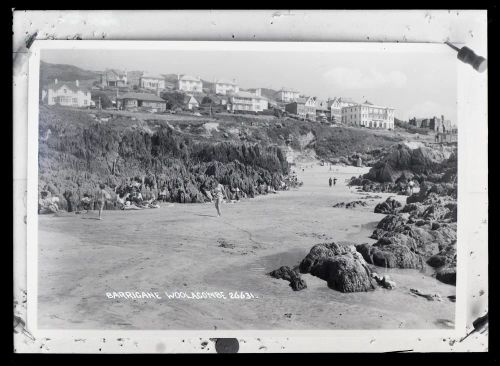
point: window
(65, 91)
(75, 100)
(85, 102)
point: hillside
(49, 72)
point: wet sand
(178, 248)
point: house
(310, 107)
(368, 115)
(223, 87)
(191, 102)
(434, 124)
(114, 78)
(287, 95)
(322, 109)
(188, 83)
(298, 107)
(133, 101)
(66, 93)
(246, 101)
(335, 105)
(152, 82)
(134, 78)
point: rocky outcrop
(341, 266)
(288, 274)
(389, 206)
(352, 204)
(390, 255)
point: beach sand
(178, 248)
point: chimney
(77, 83)
(178, 77)
(55, 81)
(234, 81)
(442, 117)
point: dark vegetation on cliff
(77, 152)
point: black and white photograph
(261, 186)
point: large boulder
(389, 206)
(341, 266)
(390, 255)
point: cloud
(352, 78)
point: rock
(430, 297)
(288, 274)
(390, 256)
(391, 222)
(341, 266)
(384, 281)
(435, 225)
(389, 206)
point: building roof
(152, 76)
(247, 95)
(301, 100)
(69, 84)
(284, 89)
(114, 74)
(189, 78)
(225, 81)
(142, 96)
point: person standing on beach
(219, 196)
(330, 181)
(102, 196)
(334, 181)
(411, 184)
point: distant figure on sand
(330, 181)
(334, 181)
(102, 196)
(219, 196)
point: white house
(191, 102)
(152, 82)
(287, 95)
(188, 83)
(66, 93)
(245, 101)
(114, 78)
(336, 104)
(368, 115)
(224, 87)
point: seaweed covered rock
(389, 206)
(341, 266)
(390, 255)
(288, 274)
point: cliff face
(77, 152)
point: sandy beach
(187, 248)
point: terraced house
(66, 93)
(188, 83)
(245, 101)
(368, 115)
(152, 82)
(336, 104)
(223, 87)
(114, 78)
(287, 95)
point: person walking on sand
(102, 196)
(330, 181)
(334, 181)
(219, 196)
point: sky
(415, 84)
